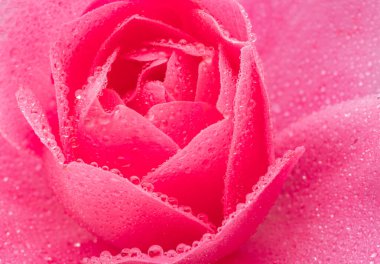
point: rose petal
(150, 94)
(239, 226)
(195, 174)
(181, 76)
(329, 211)
(182, 120)
(122, 139)
(316, 53)
(119, 211)
(237, 23)
(228, 79)
(251, 148)
(110, 99)
(134, 32)
(32, 220)
(144, 97)
(208, 84)
(81, 39)
(36, 117)
(26, 28)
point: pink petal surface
(32, 220)
(228, 74)
(181, 76)
(208, 83)
(70, 69)
(316, 53)
(26, 30)
(195, 174)
(251, 147)
(183, 120)
(329, 210)
(122, 139)
(119, 211)
(236, 229)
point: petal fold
(119, 211)
(331, 201)
(251, 148)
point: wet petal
(208, 85)
(122, 139)
(316, 53)
(251, 148)
(32, 220)
(119, 211)
(195, 174)
(237, 228)
(331, 201)
(182, 120)
(27, 27)
(181, 76)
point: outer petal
(195, 174)
(329, 211)
(316, 52)
(235, 230)
(117, 210)
(124, 140)
(251, 147)
(34, 227)
(26, 29)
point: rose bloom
(170, 131)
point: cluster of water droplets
(156, 252)
(149, 188)
(33, 112)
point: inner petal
(181, 76)
(183, 120)
(122, 139)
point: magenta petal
(26, 32)
(109, 99)
(150, 94)
(134, 32)
(251, 148)
(32, 221)
(316, 53)
(228, 79)
(195, 174)
(182, 120)
(239, 225)
(122, 139)
(208, 84)
(329, 211)
(181, 76)
(36, 117)
(236, 23)
(71, 68)
(118, 211)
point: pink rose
(155, 166)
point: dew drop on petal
(155, 251)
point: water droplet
(77, 245)
(134, 252)
(186, 209)
(182, 248)
(147, 186)
(155, 251)
(207, 237)
(135, 180)
(171, 253)
(203, 217)
(173, 201)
